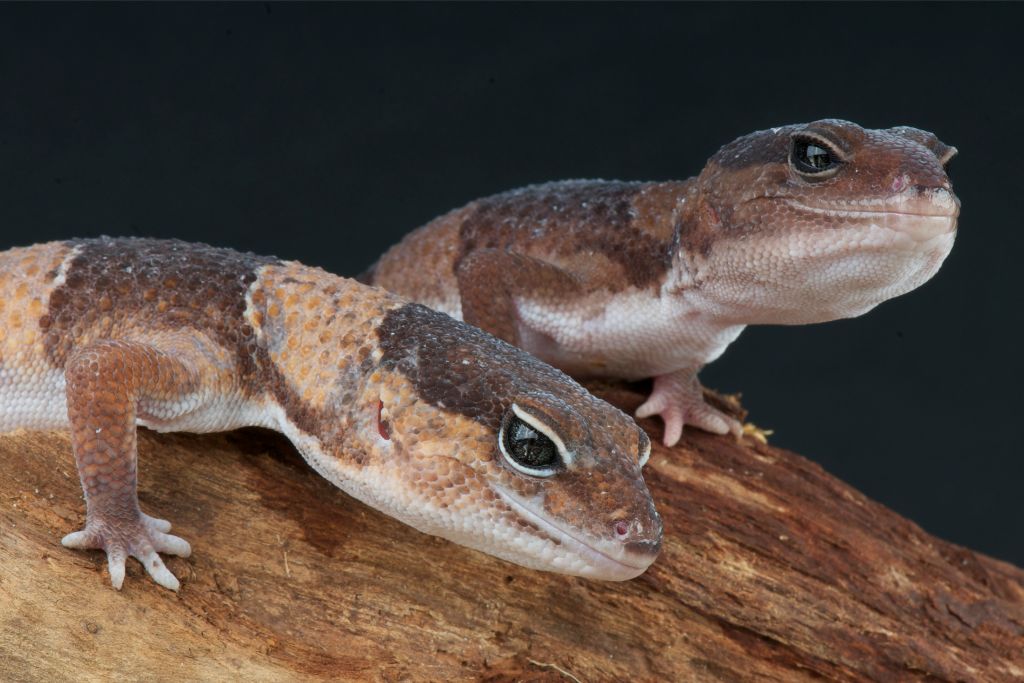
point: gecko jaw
(920, 221)
(599, 564)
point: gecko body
(791, 225)
(425, 418)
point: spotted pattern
(315, 332)
(109, 334)
(28, 382)
(115, 287)
(608, 235)
(563, 220)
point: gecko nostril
(900, 183)
(621, 529)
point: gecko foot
(680, 401)
(141, 537)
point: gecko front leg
(678, 398)
(106, 381)
(491, 281)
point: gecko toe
(115, 565)
(652, 406)
(710, 422)
(82, 540)
(673, 427)
(161, 525)
(157, 570)
(671, 415)
(171, 545)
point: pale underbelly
(32, 397)
(628, 339)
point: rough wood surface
(772, 570)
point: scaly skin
(635, 280)
(400, 406)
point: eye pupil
(817, 157)
(528, 447)
(811, 157)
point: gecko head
(493, 449)
(822, 220)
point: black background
(325, 132)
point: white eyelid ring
(646, 455)
(566, 456)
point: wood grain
(772, 570)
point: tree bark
(771, 570)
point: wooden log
(771, 570)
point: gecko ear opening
(530, 446)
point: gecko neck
(693, 282)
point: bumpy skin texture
(634, 280)
(399, 405)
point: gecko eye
(529, 445)
(813, 157)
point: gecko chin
(869, 257)
(821, 275)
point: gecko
(791, 225)
(422, 417)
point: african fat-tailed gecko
(425, 418)
(792, 225)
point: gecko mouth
(921, 220)
(600, 565)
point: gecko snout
(925, 197)
(639, 539)
(941, 199)
(930, 200)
